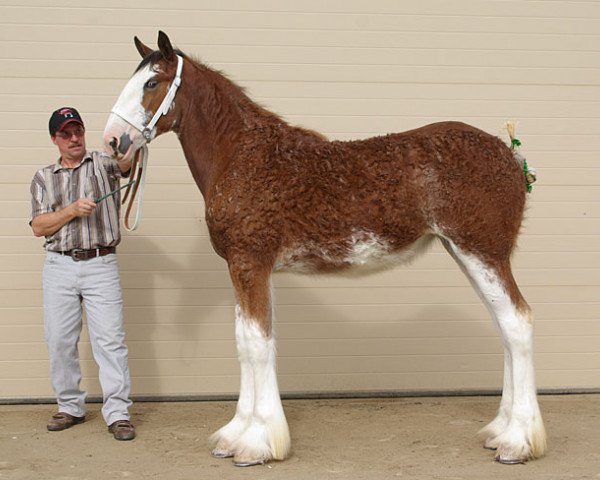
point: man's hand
(82, 207)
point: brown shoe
(122, 430)
(62, 421)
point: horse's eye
(150, 84)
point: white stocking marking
(226, 437)
(268, 436)
(258, 432)
(518, 428)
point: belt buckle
(75, 254)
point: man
(82, 232)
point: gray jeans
(95, 283)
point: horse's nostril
(124, 144)
(113, 145)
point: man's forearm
(50, 223)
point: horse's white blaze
(518, 428)
(258, 432)
(129, 104)
(128, 115)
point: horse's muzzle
(120, 138)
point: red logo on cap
(66, 112)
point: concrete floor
(410, 438)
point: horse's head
(146, 106)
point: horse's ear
(165, 47)
(143, 49)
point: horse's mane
(244, 101)
(234, 91)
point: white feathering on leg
(268, 435)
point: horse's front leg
(225, 438)
(265, 434)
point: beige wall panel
(350, 69)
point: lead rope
(138, 169)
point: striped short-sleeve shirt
(55, 187)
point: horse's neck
(212, 126)
(206, 135)
(198, 159)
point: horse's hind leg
(517, 433)
(259, 431)
(492, 431)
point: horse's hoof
(509, 461)
(248, 463)
(221, 454)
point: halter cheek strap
(166, 103)
(163, 109)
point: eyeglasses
(78, 132)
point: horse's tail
(515, 143)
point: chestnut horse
(280, 197)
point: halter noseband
(163, 109)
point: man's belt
(77, 254)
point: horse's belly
(361, 253)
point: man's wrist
(124, 166)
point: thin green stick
(110, 194)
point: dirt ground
(408, 438)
